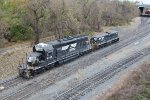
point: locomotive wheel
(20, 73)
(28, 75)
(56, 64)
(118, 39)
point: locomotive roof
(43, 46)
(66, 40)
(48, 46)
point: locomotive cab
(34, 58)
(41, 53)
(46, 51)
(36, 61)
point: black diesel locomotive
(98, 41)
(49, 54)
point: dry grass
(10, 62)
(136, 87)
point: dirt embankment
(136, 87)
(9, 62)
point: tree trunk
(36, 28)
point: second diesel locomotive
(52, 53)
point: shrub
(19, 32)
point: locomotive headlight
(31, 60)
(87, 42)
(94, 39)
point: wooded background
(22, 20)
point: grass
(143, 94)
(136, 87)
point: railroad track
(31, 88)
(92, 82)
(11, 82)
(145, 20)
(36, 86)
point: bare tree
(35, 15)
(94, 19)
(64, 17)
(3, 29)
(61, 19)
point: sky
(144, 1)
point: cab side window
(49, 55)
(102, 39)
